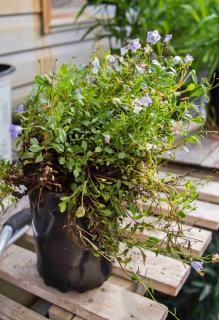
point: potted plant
(91, 139)
(195, 21)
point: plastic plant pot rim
(6, 69)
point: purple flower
(96, 65)
(153, 37)
(188, 58)
(15, 130)
(134, 45)
(107, 138)
(145, 101)
(168, 37)
(20, 108)
(197, 266)
(177, 60)
(78, 91)
(123, 51)
(111, 59)
(90, 79)
(140, 69)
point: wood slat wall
(23, 44)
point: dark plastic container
(60, 261)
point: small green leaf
(62, 206)
(80, 212)
(84, 145)
(76, 172)
(61, 160)
(39, 158)
(191, 87)
(98, 149)
(121, 155)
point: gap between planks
(12, 310)
(109, 302)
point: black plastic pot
(214, 102)
(60, 261)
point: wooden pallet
(116, 299)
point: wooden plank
(212, 161)
(195, 153)
(57, 313)
(19, 7)
(208, 191)
(194, 241)
(164, 274)
(4, 317)
(28, 66)
(161, 273)
(205, 215)
(19, 95)
(107, 302)
(14, 311)
(22, 33)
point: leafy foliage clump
(97, 134)
(193, 24)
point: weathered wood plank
(194, 240)
(57, 313)
(22, 33)
(208, 190)
(19, 7)
(195, 153)
(212, 160)
(29, 64)
(107, 302)
(19, 95)
(205, 215)
(15, 311)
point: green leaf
(35, 148)
(61, 135)
(76, 172)
(61, 160)
(121, 155)
(62, 206)
(58, 147)
(198, 120)
(191, 87)
(80, 212)
(107, 212)
(39, 158)
(84, 145)
(98, 149)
